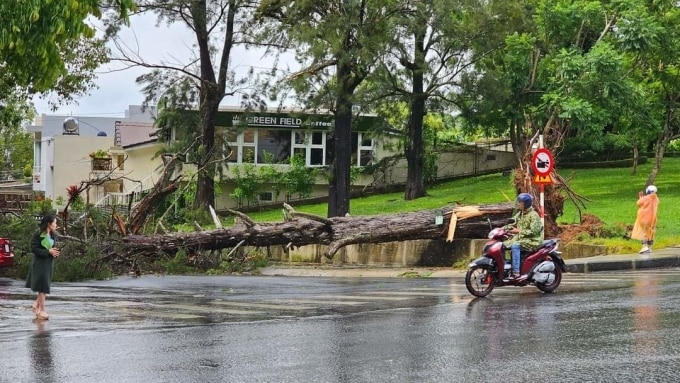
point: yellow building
(64, 147)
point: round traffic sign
(542, 162)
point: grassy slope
(612, 194)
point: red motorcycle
(543, 266)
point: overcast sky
(117, 89)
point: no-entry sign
(542, 163)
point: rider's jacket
(530, 227)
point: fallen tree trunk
(303, 229)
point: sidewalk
(662, 258)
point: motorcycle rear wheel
(550, 287)
(479, 281)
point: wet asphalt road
(620, 327)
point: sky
(117, 88)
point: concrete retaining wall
(428, 253)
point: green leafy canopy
(34, 34)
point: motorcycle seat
(545, 243)
(548, 242)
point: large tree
(37, 36)
(46, 48)
(205, 81)
(650, 34)
(337, 43)
(16, 145)
(431, 49)
(564, 74)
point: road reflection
(496, 325)
(646, 314)
(5, 285)
(40, 350)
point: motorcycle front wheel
(479, 281)
(550, 287)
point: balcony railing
(103, 164)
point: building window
(120, 162)
(270, 146)
(266, 196)
(310, 145)
(273, 146)
(247, 146)
(362, 149)
(240, 147)
(37, 153)
(230, 146)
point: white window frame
(265, 193)
(241, 145)
(308, 146)
(361, 148)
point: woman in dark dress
(40, 272)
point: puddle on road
(265, 306)
(212, 309)
(120, 304)
(161, 314)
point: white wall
(72, 163)
(42, 171)
(47, 128)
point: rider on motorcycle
(528, 230)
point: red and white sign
(542, 163)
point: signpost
(542, 163)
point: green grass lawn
(611, 195)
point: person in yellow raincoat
(645, 223)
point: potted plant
(99, 153)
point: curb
(635, 263)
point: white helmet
(650, 189)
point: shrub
(178, 264)
(605, 148)
(300, 179)
(613, 231)
(673, 146)
(247, 181)
(100, 153)
(239, 262)
(430, 168)
(80, 262)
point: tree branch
(226, 49)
